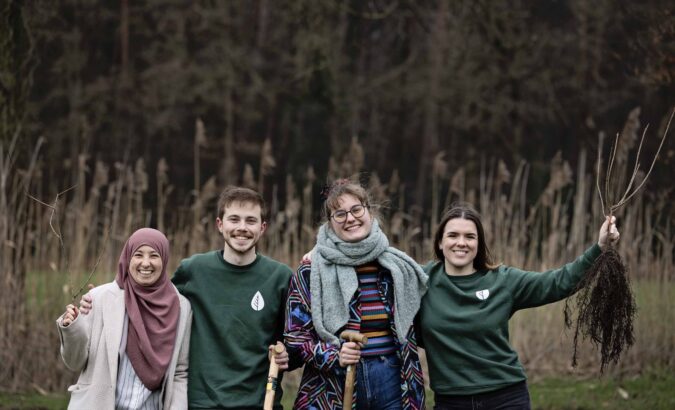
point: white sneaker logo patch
(257, 303)
(483, 294)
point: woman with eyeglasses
(355, 281)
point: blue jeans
(378, 383)
(514, 397)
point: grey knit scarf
(333, 280)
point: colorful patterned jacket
(321, 387)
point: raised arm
(74, 334)
(538, 288)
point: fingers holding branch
(609, 234)
(86, 303)
(70, 315)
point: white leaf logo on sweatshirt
(257, 303)
(483, 294)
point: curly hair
(343, 186)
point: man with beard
(238, 298)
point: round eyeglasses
(357, 211)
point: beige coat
(91, 344)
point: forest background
(123, 114)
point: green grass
(652, 390)
(48, 294)
(26, 401)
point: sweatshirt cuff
(592, 253)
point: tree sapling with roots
(605, 301)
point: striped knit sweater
(374, 317)
(321, 387)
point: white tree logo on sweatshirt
(257, 303)
(483, 294)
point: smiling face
(145, 266)
(459, 245)
(353, 229)
(241, 226)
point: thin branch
(629, 192)
(40, 202)
(98, 260)
(637, 165)
(663, 139)
(610, 167)
(631, 181)
(53, 207)
(601, 138)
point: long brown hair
(483, 259)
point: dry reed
(540, 235)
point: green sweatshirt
(238, 311)
(464, 321)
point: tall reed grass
(39, 275)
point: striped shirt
(131, 393)
(322, 385)
(374, 313)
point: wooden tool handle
(351, 336)
(272, 380)
(349, 387)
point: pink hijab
(153, 311)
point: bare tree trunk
(124, 37)
(430, 133)
(263, 19)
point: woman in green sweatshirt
(465, 313)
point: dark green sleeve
(180, 277)
(281, 317)
(530, 289)
(418, 331)
(417, 323)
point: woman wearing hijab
(357, 282)
(131, 348)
